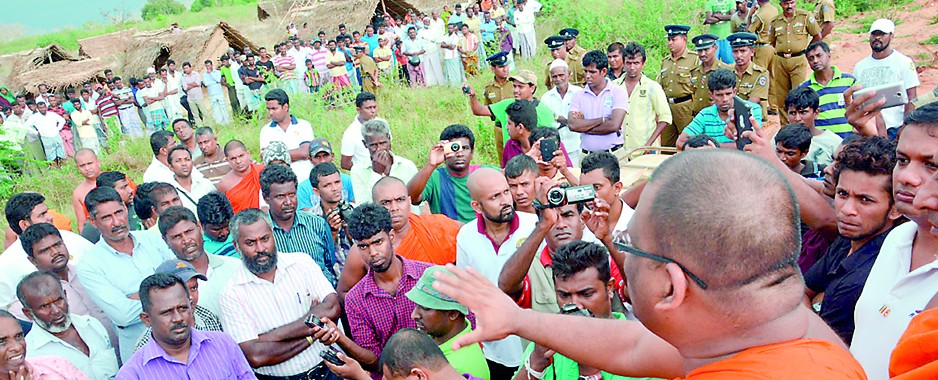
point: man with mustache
(177, 350)
(119, 261)
(266, 304)
(884, 66)
(13, 356)
(80, 339)
(487, 244)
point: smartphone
(331, 357)
(313, 320)
(465, 90)
(894, 93)
(548, 147)
(742, 113)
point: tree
(156, 8)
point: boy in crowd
(792, 144)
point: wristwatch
(532, 374)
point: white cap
(151, 70)
(558, 63)
(883, 25)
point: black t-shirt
(244, 71)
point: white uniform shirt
(298, 132)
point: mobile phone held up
(548, 147)
(741, 114)
(894, 93)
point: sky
(66, 13)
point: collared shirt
(158, 172)
(412, 45)
(194, 93)
(205, 320)
(474, 248)
(298, 132)
(190, 199)
(212, 81)
(840, 275)
(213, 170)
(286, 59)
(110, 277)
(364, 176)
(709, 121)
(648, 105)
(833, 112)
(487, 28)
(793, 35)
(101, 361)
(595, 106)
(337, 57)
(48, 125)
(353, 143)
(220, 270)
(84, 122)
(699, 78)
(212, 355)
(319, 59)
(122, 94)
(891, 297)
(252, 306)
(15, 264)
(560, 105)
(311, 235)
(674, 76)
(374, 315)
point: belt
(791, 55)
(610, 150)
(679, 100)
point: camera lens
(454, 147)
(555, 196)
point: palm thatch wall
(196, 44)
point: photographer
(326, 183)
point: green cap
(424, 295)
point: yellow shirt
(383, 52)
(648, 106)
(337, 57)
(85, 131)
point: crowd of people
(803, 253)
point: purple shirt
(213, 355)
(374, 315)
(594, 106)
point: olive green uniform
(754, 83)
(576, 53)
(765, 52)
(495, 93)
(368, 67)
(698, 79)
(824, 12)
(674, 78)
(790, 66)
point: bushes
(156, 8)
(199, 5)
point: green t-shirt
(564, 368)
(468, 359)
(545, 117)
(453, 201)
(721, 29)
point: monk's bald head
(387, 185)
(483, 181)
(730, 217)
(232, 145)
(85, 154)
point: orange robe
(797, 359)
(916, 354)
(431, 239)
(247, 193)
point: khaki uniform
(576, 53)
(790, 67)
(577, 74)
(765, 52)
(674, 78)
(368, 66)
(698, 79)
(495, 93)
(754, 83)
(824, 12)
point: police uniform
(674, 78)
(494, 93)
(790, 66)
(754, 81)
(577, 52)
(765, 52)
(368, 66)
(577, 74)
(824, 12)
(698, 78)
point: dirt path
(913, 27)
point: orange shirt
(916, 354)
(431, 239)
(60, 221)
(797, 359)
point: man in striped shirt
(830, 84)
(285, 66)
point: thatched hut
(326, 15)
(402, 7)
(41, 56)
(196, 44)
(60, 75)
(110, 44)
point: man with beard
(375, 307)
(190, 187)
(269, 299)
(119, 261)
(177, 350)
(211, 163)
(214, 213)
(886, 66)
(830, 84)
(182, 233)
(444, 188)
(865, 215)
(444, 319)
(80, 339)
(90, 167)
(487, 244)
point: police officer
(824, 14)
(576, 52)
(759, 22)
(706, 47)
(498, 89)
(791, 32)
(674, 78)
(752, 80)
(558, 50)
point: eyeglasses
(624, 242)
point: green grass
(931, 41)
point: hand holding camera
(441, 151)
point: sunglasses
(623, 242)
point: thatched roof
(106, 44)
(41, 56)
(326, 15)
(59, 75)
(195, 44)
(401, 7)
(272, 8)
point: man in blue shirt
(371, 39)
(488, 28)
(712, 120)
(320, 150)
(215, 211)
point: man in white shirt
(601, 170)
(524, 23)
(191, 188)
(159, 171)
(377, 138)
(47, 125)
(887, 66)
(80, 339)
(295, 133)
(414, 50)
(558, 99)
(905, 275)
(353, 145)
(172, 79)
(486, 244)
(432, 35)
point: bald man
(90, 167)
(242, 185)
(486, 244)
(727, 315)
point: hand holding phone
(741, 114)
(894, 93)
(548, 147)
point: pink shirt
(284, 60)
(54, 368)
(194, 93)
(594, 106)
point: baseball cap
(524, 76)
(883, 25)
(181, 269)
(319, 145)
(424, 295)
